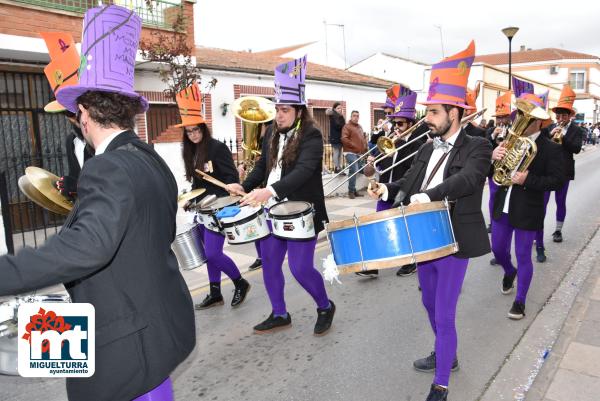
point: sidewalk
(338, 208)
(572, 370)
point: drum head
(245, 211)
(220, 203)
(289, 208)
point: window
(577, 80)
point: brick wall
(28, 20)
(172, 134)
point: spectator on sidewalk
(336, 123)
(354, 145)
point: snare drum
(249, 225)
(293, 220)
(392, 238)
(208, 214)
(9, 330)
(188, 248)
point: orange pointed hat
(64, 64)
(189, 102)
(472, 95)
(391, 95)
(503, 103)
(448, 80)
(566, 100)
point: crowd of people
(114, 250)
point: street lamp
(510, 32)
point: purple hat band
(405, 107)
(289, 82)
(110, 41)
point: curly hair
(195, 155)
(290, 152)
(111, 109)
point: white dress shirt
(79, 148)
(436, 155)
(104, 144)
(275, 174)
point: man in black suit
(452, 167)
(570, 136)
(114, 250)
(519, 208)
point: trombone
(463, 122)
(393, 149)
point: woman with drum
(290, 168)
(201, 151)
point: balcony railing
(160, 14)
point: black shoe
(256, 265)
(508, 282)
(407, 270)
(541, 255)
(517, 312)
(273, 324)
(489, 228)
(368, 273)
(210, 301)
(557, 236)
(358, 194)
(427, 364)
(493, 262)
(324, 319)
(240, 292)
(350, 195)
(437, 393)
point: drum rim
(294, 239)
(386, 214)
(242, 221)
(310, 210)
(210, 211)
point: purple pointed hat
(289, 82)
(110, 41)
(405, 104)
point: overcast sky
(403, 28)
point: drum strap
(435, 169)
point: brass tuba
(254, 111)
(520, 150)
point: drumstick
(213, 180)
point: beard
(441, 129)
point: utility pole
(441, 38)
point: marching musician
(383, 128)
(570, 137)
(519, 209)
(453, 166)
(403, 117)
(290, 168)
(496, 135)
(114, 250)
(201, 151)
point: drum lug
(237, 231)
(275, 224)
(303, 222)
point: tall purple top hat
(110, 41)
(289, 82)
(405, 104)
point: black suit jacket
(223, 170)
(114, 251)
(464, 177)
(571, 144)
(302, 180)
(546, 173)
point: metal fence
(160, 13)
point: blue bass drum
(392, 238)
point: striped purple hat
(289, 82)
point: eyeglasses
(191, 131)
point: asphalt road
(379, 329)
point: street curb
(516, 375)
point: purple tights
(216, 260)
(300, 259)
(560, 197)
(502, 233)
(441, 281)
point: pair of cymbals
(186, 196)
(39, 185)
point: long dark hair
(195, 155)
(290, 152)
